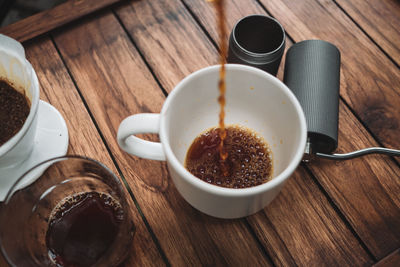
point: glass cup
(75, 214)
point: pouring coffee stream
(220, 10)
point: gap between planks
(324, 192)
(149, 229)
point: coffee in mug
(248, 162)
(255, 99)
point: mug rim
(218, 190)
(14, 140)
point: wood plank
(388, 175)
(162, 27)
(48, 20)
(366, 190)
(116, 83)
(369, 80)
(335, 238)
(380, 20)
(235, 10)
(391, 260)
(375, 98)
(303, 229)
(375, 174)
(58, 89)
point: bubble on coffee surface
(249, 161)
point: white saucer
(51, 141)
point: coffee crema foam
(249, 161)
(70, 201)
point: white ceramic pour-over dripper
(44, 134)
(17, 70)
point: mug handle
(140, 124)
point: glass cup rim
(14, 188)
(114, 178)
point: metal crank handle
(359, 153)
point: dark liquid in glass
(82, 228)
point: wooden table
(126, 58)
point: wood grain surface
(127, 59)
(368, 77)
(186, 236)
(50, 19)
(301, 221)
(158, 49)
(372, 174)
(391, 260)
(168, 37)
(367, 85)
(380, 20)
(357, 186)
(84, 139)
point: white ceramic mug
(16, 69)
(255, 99)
